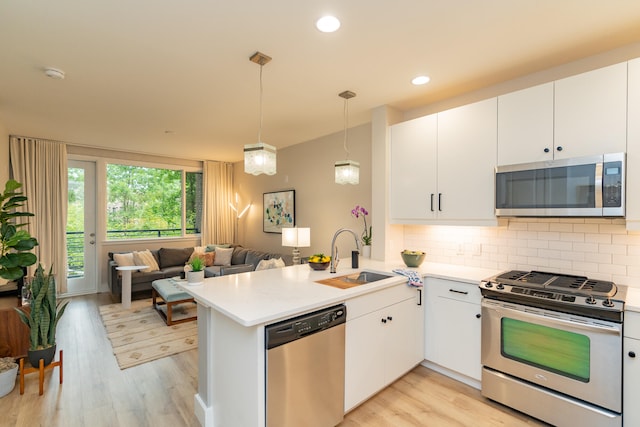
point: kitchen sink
(354, 279)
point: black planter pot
(47, 354)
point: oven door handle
(502, 311)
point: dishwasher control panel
(306, 324)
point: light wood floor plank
(160, 393)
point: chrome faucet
(334, 248)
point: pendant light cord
(346, 125)
(260, 127)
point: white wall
(596, 248)
(322, 205)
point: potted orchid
(360, 211)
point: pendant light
(347, 171)
(260, 157)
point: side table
(126, 282)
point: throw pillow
(145, 258)
(124, 260)
(208, 257)
(212, 248)
(223, 256)
(265, 264)
(170, 257)
(278, 262)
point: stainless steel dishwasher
(305, 369)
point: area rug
(140, 335)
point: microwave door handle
(598, 184)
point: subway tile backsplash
(597, 248)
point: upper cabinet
(525, 125)
(577, 116)
(413, 168)
(467, 138)
(591, 112)
(442, 167)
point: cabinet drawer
(459, 291)
(360, 306)
(632, 324)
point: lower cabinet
(631, 367)
(384, 341)
(452, 326)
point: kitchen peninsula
(234, 310)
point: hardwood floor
(97, 393)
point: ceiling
(174, 78)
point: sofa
(171, 263)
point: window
(147, 202)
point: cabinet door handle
(559, 148)
(455, 291)
(440, 202)
(546, 149)
(478, 316)
(419, 296)
(389, 318)
(432, 201)
(383, 320)
(632, 354)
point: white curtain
(218, 218)
(41, 167)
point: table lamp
(297, 238)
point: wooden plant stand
(39, 369)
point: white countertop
(633, 299)
(266, 296)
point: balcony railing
(75, 243)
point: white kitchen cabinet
(525, 125)
(631, 366)
(591, 112)
(442, 167)
(467, 144)
(413, 169)
(633, 146)
(452, 326)
(383, 344)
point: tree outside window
(145, 202)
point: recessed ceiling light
(328, 24)
(420, 80)
(54, 73)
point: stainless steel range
(552, 346)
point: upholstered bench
(171, 295)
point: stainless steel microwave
(591, 186)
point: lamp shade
(347, 172)
(260, 158)
(296, 237)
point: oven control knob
(590, 300)
(632, 354)
(489, 285)
(608, 303)
(500, 286)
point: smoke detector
(54, 73)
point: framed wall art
(278, 211)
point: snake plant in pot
(42, 317)
(15, 244)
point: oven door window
(556, 350)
